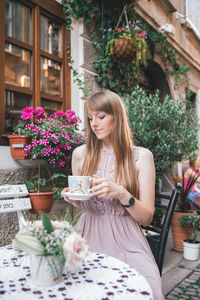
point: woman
(123, 187)
(192, 174)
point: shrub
(168, 129)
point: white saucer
(78, 196)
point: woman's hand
(76, 203)
(103, 187)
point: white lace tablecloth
(101, 277)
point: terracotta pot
(17, 145)
(41, 202)
(124, 50)
(178, 231)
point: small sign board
(10, 191)
(14, 205)
(13, 198)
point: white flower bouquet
(54, 242)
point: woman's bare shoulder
(77, 159)
(79, 152)
(144, 153)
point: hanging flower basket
(124, 50)
(127, 44)
(17, 145)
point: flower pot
(45, 270)
(178, 231)
(191, 250)
(124, 50)
(17, 145)
(42, 201)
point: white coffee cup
(79, 184)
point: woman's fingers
(76, 203)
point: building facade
(34, 60)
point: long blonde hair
(125, 172)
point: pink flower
(27, 113)
(61, 163)
(59, 113)
(52, 160)
(75, 250)
(39, 113)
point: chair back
(14, 198)
(158, 237)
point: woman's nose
(94, 122)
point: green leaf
(29, 244)
(29, 184)
(46, 223)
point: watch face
(131, 201)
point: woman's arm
(143, 208)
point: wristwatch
(130, 202)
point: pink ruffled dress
(111, 230)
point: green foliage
(130, 31)
(46, 223)
(37, 184)
(116, 76)
(167, 129)
(190, 223)
(72, 220)
(157, 217)
(60, 182)
(112, 74)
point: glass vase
(46, 270)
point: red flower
(142, 34)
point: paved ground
(181, 278)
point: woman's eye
(101, 117)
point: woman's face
(101, 124)
(197, 163)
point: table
(101, 277)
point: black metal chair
(158, 240)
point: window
(34, 59)
(193, 12)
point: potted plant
(43, 190)
(183, 209)
(53, 137)
(22, 134)
(127, 44)
(191, 246)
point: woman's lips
(97, 130)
